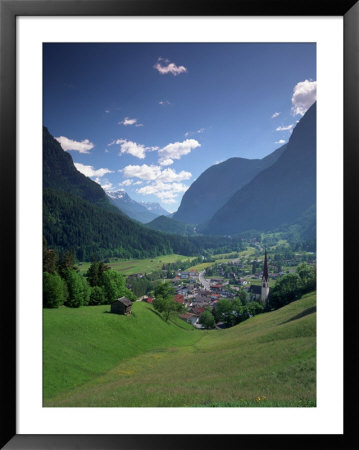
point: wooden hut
(121, 306)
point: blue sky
(150, 118)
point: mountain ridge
(278, 195)
(215, 186)
(130, 207)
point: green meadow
(132, 266)
(94, 358)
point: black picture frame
(9, 10)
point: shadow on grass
(169, 321)
(307, 311)
(158, 314)
(118, 314)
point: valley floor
(92, 358)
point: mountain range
(143, 212)
(276, 193)
(281, 195)
(216, 185)
(78, 215)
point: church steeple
(265, 281)
(265, 268)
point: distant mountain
(281, 195)
(155, 208)
(171, 226)
(214, 187)
(78, 215)
(130, 207)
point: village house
(216, 288)
(179, 298)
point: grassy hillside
(147, 265)
(81, 344)
(171, 226)
(96, 359)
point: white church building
(261, 293)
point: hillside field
(132, 266)
(94, 358)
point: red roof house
(179, 298)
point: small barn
(121, 306)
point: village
(198, 290)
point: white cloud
(287, 128)
(132, 148)
(167, 162)
(89, 171)
(169, 68)
(107, 111)
(125, 183)
(281, 141)
(155, 173)
(165, 184)
(164, 102)
(304, 95)
(276, 114)
(107, 185)
(79, 146)
(191, 133)
(144, 172)
(106, 150)
(127, 121)
(167, 192)
(169, 175)
(176, 150)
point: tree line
(64, 285)
(292, 286)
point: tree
(164, 300)
(67, 261)
(77, 288)
(231, 312)
(207, 319)
(50, 261)
(307, 275)
(97, 296)
(243, 297)
(86, 292)
(114, 287)
(95, 271)
(164, 290)
(254, 308)
(54, 290)
(287, 289)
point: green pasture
(93, 358)
(132, 266)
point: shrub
(54, 290)
(97, 296)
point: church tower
(265, 281)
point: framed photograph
(171, 171)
